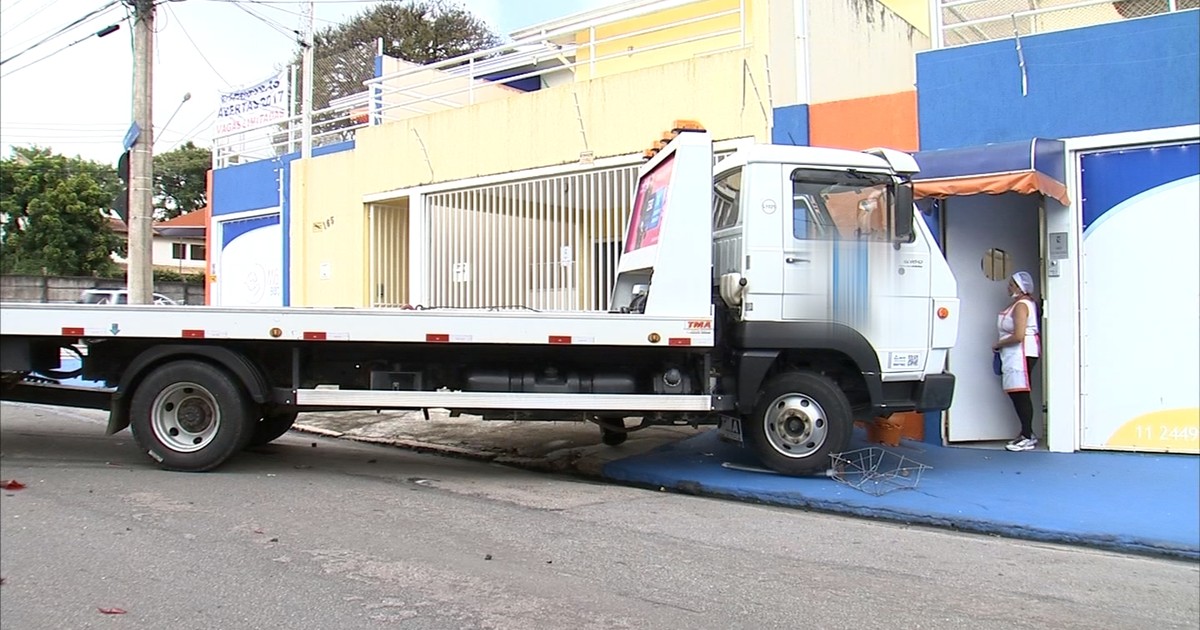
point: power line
(274, 7)
(62, 30)
(27, 18)
(67, 125)
(188, 136)
(11, 5)
(198, 50)
(313, 1)
(289, 33)
(111, 28)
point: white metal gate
(546, 244)
(389, 253)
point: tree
(180, 181)
(55, 214)
(419, 31)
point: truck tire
(800, 418)
(190, 416)
(271, 427)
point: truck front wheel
(799, 420)
(190, 416)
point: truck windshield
(842, 205)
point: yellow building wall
(915, 12)
(621, 114)
(623, 49)
(860, 49)
(328, 232)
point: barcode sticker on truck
(905, 361)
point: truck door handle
(791, 261)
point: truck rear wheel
(799, 420)
(190, 416)
(271, 427)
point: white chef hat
(1024, 281)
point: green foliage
(168, 275)
(419, 31)
(53, 208)
(180, 181)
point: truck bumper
(936, 392)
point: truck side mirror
(902, 215)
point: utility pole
(141, 159)
(306, 61)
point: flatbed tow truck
(782, 294)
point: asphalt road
(347, 535)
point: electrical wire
(62, 30)
(289, 33)
(72, 44)
(275, 7)
(191, 132)
(198, 49)
(11, 5)
(303, 2)
(36, 13)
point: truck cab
(821, 265)
(830, 298)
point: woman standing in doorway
(1019, 348)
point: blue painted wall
(1126, 76)
(255, 185)
(791, 125)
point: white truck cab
(824, 279)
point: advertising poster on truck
(649, 207)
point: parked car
(118, 296)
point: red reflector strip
(561, 339)
(314, 336)
(679, 341)
(437, 338)
(193, 334)
(72, 332)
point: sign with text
(254, 106)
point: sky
(77, 100)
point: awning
(1036, 166)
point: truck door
(841, 264)
(808, 246)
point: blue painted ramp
(1122, 501)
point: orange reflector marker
(314, 336)
(943, 313)
(72, 332)
(560, 339)
(679, 341)
(431, 338)
(193, 334)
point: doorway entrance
(987, 239)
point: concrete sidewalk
(1120, 501)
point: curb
(538, 464)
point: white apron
(1013, 373)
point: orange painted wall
(888, 121)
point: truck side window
(727, 200)
(831, 206)
(810, 218)
(807, 222)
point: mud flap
(730, 429)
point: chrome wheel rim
(185, 417)
(796, 426)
